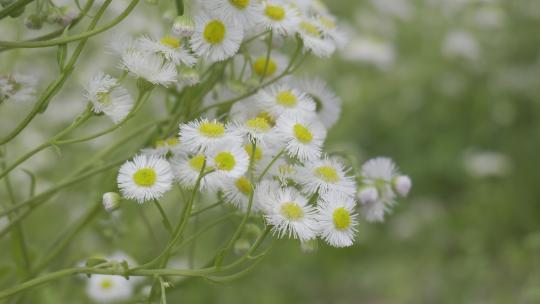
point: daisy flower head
(257, 130)
(245, 12)
(279, 17)
(330, 29)
(312, 36)
(229, 160)
(169, 47)
(277, 63)
(265, 194)
(325, 175)
(216, 38)
(381, 169)
(281, 98)
(303, 136)
(202, 134)
(145, 178)
(327, 103)
(187, 168)
(290, 215)
(17, 88)
(337, 219)
(108, 97)
(238, 191)
(148, 66)
(109, 288)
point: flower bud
(368, 194)
(402, 185)
(309, 246)
(33, 22)
(111, 201)
(189, 76)
(184, 26)
(241, 246)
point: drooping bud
(368, 194)
(309, 246)
(184, 26)
(402, 185)
(111, 201)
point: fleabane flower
(169, 47)
(279, 17)
(325, 175)
(337, 219)
(148, 66)
(303, 136)
(238, 191)
(17, 88)
(199, 135)
(290, 215)
(314, 41)
(277, 63)
(328, 104)
(330, 29)
(229, 160)
(265, 195)
(215, 38)
(145, 178)
(108, 97)
(281, 98)
(187, 168)
(109, 288)
(245, 12)
(258, 130)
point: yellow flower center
(268, 117)
(173, 141)
(104, 98)
(327, 22)
(259, 124)
(225, 161)
(244, 185)
(327, 174)
(212, 129)
(260, 64)
(286, 169)
(197, 162)
(214, 32)
(241, 4)
(258, 152)
(302, 134)
(275, 12)
(292, 211)
(145, 177)
(310, 28)
(170, 41)
(159, 143)
(342, 218)
(106, 284)
(286, 99)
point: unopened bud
(368, 194)
(241, 246)
(184, 26)
(309, 246)
(402, 185)
(189, 76)
(111, 201)
(33, 22)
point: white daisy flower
(325, 175)
(329, 29)
(314, 41)
(281, 98)
(148, 66)
(215, 39)
(164, 147)
(169, 47)
(328, 104)
(281, 18)
(237, 191)
(290, 215)
(17, 88)
(186, 170)
(244, 12)
(303, 136)
(257, 130)
(108, 97)
(109, 288)
(281, 170)
(265, 194)
(337, 220)
(277, 63)
(203, 134)
(229, 160)
(145, 178)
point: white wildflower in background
(325, 175)
(109, 289)
(327, 103)
(238, 191)
(311, 33)
(203, 134)
(150, 67)
(108, 97)
(17, 88)
(145, 178)
(279, 17)
(461, 44)
(187, 168)
(337, 219)
(277, 63)
(215, 39)
(245, 12)
(169, 47)
(303, 136)
(281, 98)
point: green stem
(180, 7)
(271, 164)
(268, 52)
(82, 36)
(13, 7)
(166, 221)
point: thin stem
(268, 52)
(13, 7)
(271, 164)
(197, 212)
(166, 221)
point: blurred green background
(450, 89)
